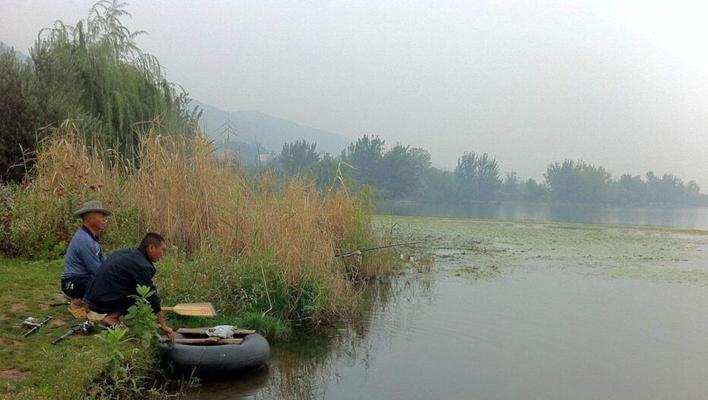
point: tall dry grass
(66, 173)
(246, 243)
(199, 202)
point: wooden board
(210, 340)
(203, 331)
(230, 341)
(193, 331)
(193, 309)
(204, 341)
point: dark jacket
(117, 279)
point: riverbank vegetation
(243, 242)
(93, 116)
(80, 366)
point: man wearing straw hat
(84, 255)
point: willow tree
(113, 88)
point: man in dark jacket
(110, 289)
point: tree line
(405, 173)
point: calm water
(689, 218)
(534, 333)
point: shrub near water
(263, 246)
(130, 362)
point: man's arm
(163, 325)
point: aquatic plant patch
(486, 248)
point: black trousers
(75, 287)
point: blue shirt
(84, 255)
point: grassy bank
(78, 366)
(31, 368)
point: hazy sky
(624, 85)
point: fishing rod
(357, 252)
(34, 324)
(84, 327)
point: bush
(129, 373)
(258, 284)
(65, 175)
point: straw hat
(91, 206)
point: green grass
(31, 368)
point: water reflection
(245, 387)
(310, 365)
(689, 218)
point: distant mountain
(266, 130)
(4, 48)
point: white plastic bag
(221, 331)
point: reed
(263, 244)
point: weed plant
(114, 342)
(130, 354)
(141, 319)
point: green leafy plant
(129, 372)
(114, 341)
(141, 318)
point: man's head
(95, 221)
(93, 216)
(154, 246)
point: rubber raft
(211, 357)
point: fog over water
(623, 85)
